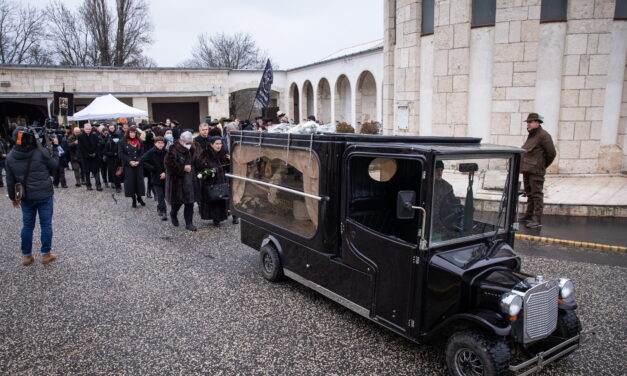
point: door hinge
(424, 175)
(415, 260)
(342, 228)
(411, 323)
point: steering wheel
(452, 215)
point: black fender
(487, 320)
(568, 304)
(274, 241)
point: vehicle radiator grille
(541, 311)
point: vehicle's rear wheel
(471, 353)
(271, 267)
(568, 324)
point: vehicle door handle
(353, 234)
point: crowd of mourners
(161, 161)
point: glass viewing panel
(469, 197)
(297, 169)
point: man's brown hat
(534, 117)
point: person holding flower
(211, 165)
(130, 151)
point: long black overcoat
(215, 210)
(133, 176)
(179, 185)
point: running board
(328, 293)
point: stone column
(141, 103)
(389, 48)
(610, 158)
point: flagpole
(261, 83)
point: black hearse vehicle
(414, 233)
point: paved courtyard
(133, 295)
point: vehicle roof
(461, 148)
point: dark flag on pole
(63, 103)
(263, 92)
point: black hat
(131, 123)
(259, 118)
(214, 123)
(311, 117)
(439, 164)
(213, 139)
(174, 122)
(534, 117)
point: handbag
(219, 192)
(119, 171)
(20, 188)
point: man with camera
(29, 169)
(89, 147)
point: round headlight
(566, 287)
(511, 304)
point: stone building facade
(478, 67)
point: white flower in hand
(199, 176)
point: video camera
(32, 134)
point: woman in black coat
(130, 152)
(213, 157)
(180, 180)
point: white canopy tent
(107, 107)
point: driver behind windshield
(447, 209)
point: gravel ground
(133, 295)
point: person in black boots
(148, 140)
(154, 161)
(103, 133)
(180, 180)
(88, 145)
(212, 161)
(130, 152)
(111, 154)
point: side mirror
(468, 167)
(404, 204)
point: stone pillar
(389, 48)
(452, 67)
(332, 90)
(480, 89)
(426, 85)
(610, 158)
(141, 103)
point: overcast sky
(293, 32)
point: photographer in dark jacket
(153, 161)
(88, 145)
(32, 166)
(111, 154)
(64, 161)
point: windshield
(469, 197)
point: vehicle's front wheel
(271, 267)
(471, 353)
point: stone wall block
(529, 31)
(594, 113)
(570, 98)
(511, 14)
(460, 11)
(589, 26)
(584, 65)
(566, 130)
(527, 106)
(501, 32)
(598, 97)
(444, 84)
(460, 83)
(598, 64)
(593, 43)
(568, 149)
(514, 31)
(578, 9)
(605, 43)
(502, 74)
(585, 98)
(576, 44)
(574, 82)
(458, 61)
(515, 121)
(439, 108)
(440, 66)
(529, 66)
(582, 130)
(524, 79)
(604, 8)
(442, 12)
(534, 12)
(573, 114)
(596, 82)
(462, 35)
(443, 37)
(498, 93)
(531, 51)
(457, 108)
(520, 93)
(571, 65)
(589, 149)
(505, 106)
(499, 123)
(509, 52)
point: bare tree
(69, 38)
(237, 51)
(99, 19)
(21, 32)
(132, 34)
